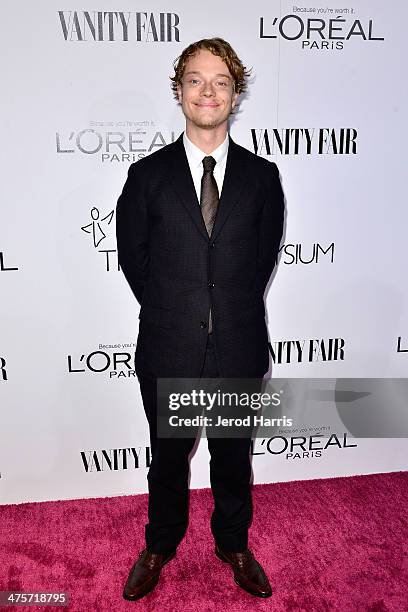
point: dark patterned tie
(209, 194)
(209, 199)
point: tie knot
(209, 163)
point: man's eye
(222, 83)
(194, 81)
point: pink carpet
(331, 544)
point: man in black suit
(199, 225)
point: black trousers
(230, 473)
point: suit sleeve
(271, 228)
(132, 234)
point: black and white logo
(113, 141)
(304, 141)
(116, 459)
(300, 253)
(121, 26)
(97, 225)
(111, 360)
(402, 345)
(5, 266)
(307, 351)
(3, 370)
(101, 234)
(300, 447)
(319, 29)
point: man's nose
(208, 89)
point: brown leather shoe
(145, 574)
(248, 573)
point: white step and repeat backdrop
(86, 92)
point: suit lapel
(236, 174)
(235, 177)
(182, 182)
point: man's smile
(206, 104)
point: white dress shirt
(195, 158)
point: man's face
(207, 93)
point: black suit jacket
(177, 272)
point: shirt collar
(196, 155)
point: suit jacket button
(203, 324)
(212, 245)
(211, 285)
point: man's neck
(206, 140)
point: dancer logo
(98, 230)
(116, 459)
(304, 141)
(320, 34)
(301, 351)
(95, 228)
(300, 447)
(99, 26)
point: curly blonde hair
(222, 49)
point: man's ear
(179, 93)
(234, 99)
